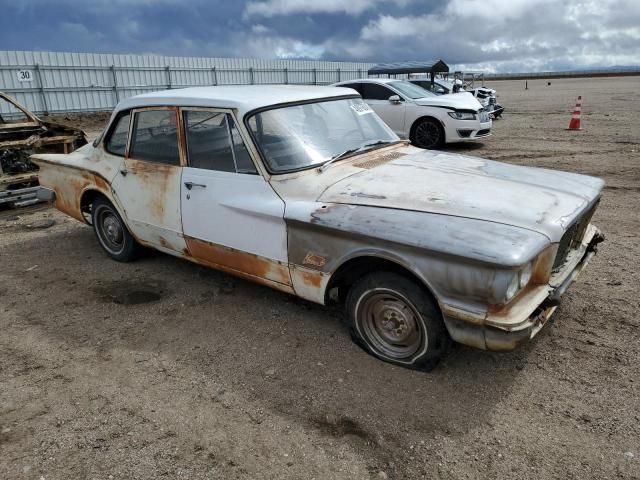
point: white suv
(428, 120)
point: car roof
(243, 98)
(371, 80)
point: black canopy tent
(431, 67)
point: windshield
(302, 136)
(411, 90)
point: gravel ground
(163, 369)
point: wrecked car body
(21, 135)
(307, 190)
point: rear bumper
(526, 317)
(22, 195)
(46, 195)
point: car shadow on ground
(463, 147)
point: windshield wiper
(326, 164)
(353, 150)
(379, 142)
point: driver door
(232, 218)
(393, 114)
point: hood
(541, 200)
(458, 101)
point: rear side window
(214, 143)
(117, 142)
(373, 91)
(155, 137)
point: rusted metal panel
(22, 137)
(240, 263)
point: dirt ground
(163, 369)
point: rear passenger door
(232, 218)
(147, 185)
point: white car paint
(403, 116)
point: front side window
(373, 91)
(301, 136)
(411, 90)
(214, 143)
(155, 137)
(117, 142)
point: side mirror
(395, 99)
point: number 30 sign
(25, 76)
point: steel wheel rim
(110, 230)
(427, 134)
(390, 324)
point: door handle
(124, 171)
(190, 185)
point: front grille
(483, 132)
(565, 246)
(572, 237)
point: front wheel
(394, 319)
(428, 133)
(112, 233)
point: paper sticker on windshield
(361, 108)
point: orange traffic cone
(574, 124)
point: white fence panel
(72, 82)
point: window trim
(229, 113)
(110, 129)
(252, 113)
(179, 135)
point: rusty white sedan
(306, 190)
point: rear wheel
(112, 233)
(428, 133)
(394, 319)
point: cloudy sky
(499, 35)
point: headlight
(513, 288)
(462, 115)
(525, 275)
(518, 281)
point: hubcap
(110, 230)
(390, 324)
(427, 134)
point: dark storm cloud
(494, 34)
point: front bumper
(525, 317)
(466, 130)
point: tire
(111, 231)
(427, 133)
(380, 304)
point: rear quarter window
(116, 143)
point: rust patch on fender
(314, 259)
(312, 279)
(217, 256)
